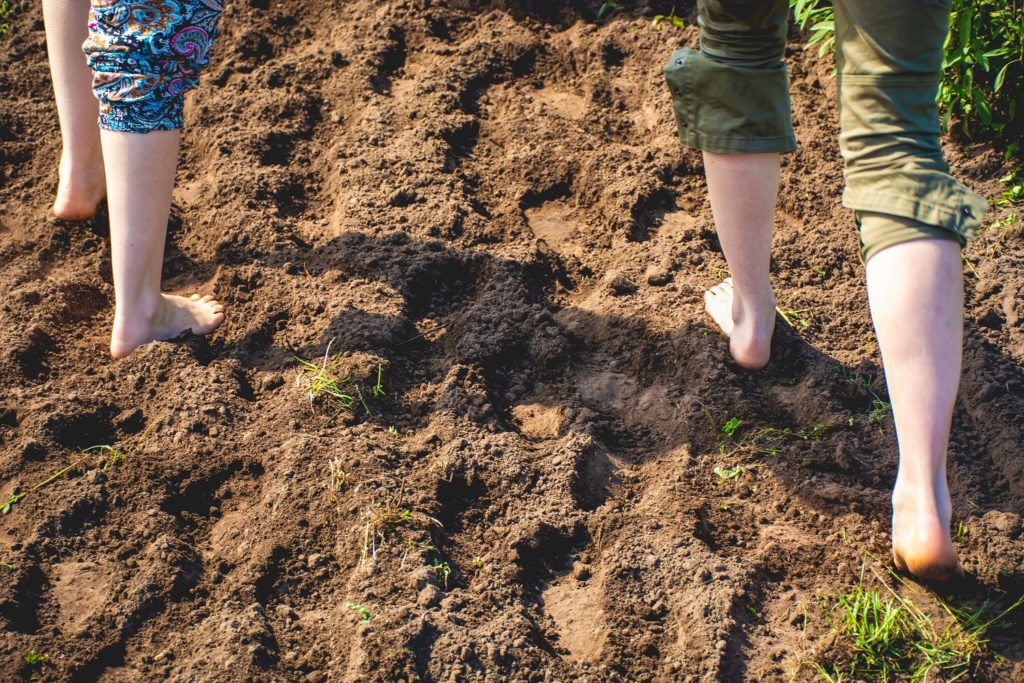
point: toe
(194, 297)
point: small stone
(657, 276)
(620, 285)
(314, 560)
(130, 421)
(430, 596)
(696, 259)
(421, 578)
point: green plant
(442, 571)
(983, 64)
(983, 59)
(730, 427)
(6, 11)
(386, 517)
(886, 637)
(769, 440)
(33, 658)
(789, 315)
(1014, 192)
(16, 498)
(727, 473)
(325, 381)
(108, 455)
(378, 388)
(364, 614)
(820, 16)
(672, 18)
(879, 411)
(607, 8)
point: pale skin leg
(916, 295)
(742, 189)
(140, 180)
(81, 186)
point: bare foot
(81, 188)
(171, 316)
(748, 326)
(921, 544)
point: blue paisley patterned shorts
(144, 55)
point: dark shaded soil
(488, 202)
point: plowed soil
(484, 202)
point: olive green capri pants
(732, 96)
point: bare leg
(81, 186)
(916, 294)
(140, 179)
(743, 189)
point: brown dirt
(488, 200)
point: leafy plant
(607, 8)
(442, 571)
(672, 19)
(727, 473)
(768, 440)
(16, 498)
(820, 17)
(109, 455)
(730, 427)
(983, 64)
(33, 658)
(1014, 192)
(6, 11)
(364, 614)
(983, 60)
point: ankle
(145, 308)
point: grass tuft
(887, 637)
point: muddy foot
(749, 327)
(80, 189)
(171, 316)
(921, 544)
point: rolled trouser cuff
(727, 108)
(926, 196)
(143, 116)
(879, 231)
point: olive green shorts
(732, 96)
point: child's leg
(916, 294)
(914, 217)
(731, 100)
(144, 58)
(744, 305)
(81, 186)
(140, 174)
